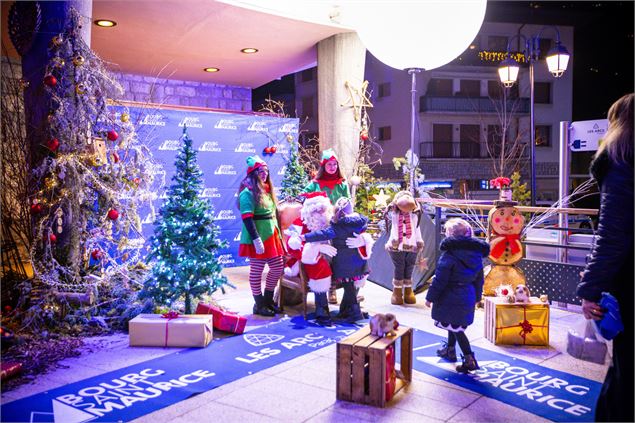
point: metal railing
(471, 104)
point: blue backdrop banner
(223, 142)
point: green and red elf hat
(253, 163)
(327, 155)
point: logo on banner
(289, 128)
(282, 148)
(191, 122)
(245, 147)
(282, 170)
(225, 259)
(210, 193)
(225, 215)
(225, 170)
(258, 126)
(260, 339)
(155, 169)
(237, 237)
(154, 120)
(171, 145)
(148, 220)
(225, 124)
(210, 146)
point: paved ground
(303, 389)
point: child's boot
(448, 353)
(469, 364)
(408, 295)
(397, 292)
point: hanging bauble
(273, 149)
(125, 117)
(267, 150)
(59, 214)
(50, 81)
(53, 144)
(96, 254)
(36, 208)
(78, 60)
(363, 135)
(125, 256)
(112, 135)
(57, 40)
(80, 88)
(289, 138)
(355, 180)
(113, 214)
(58, 62)
(115, 157)
(52, 238)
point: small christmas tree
(520, 193)
(295, 177)
(186, 239)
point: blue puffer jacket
(348, 262)
(458, 281)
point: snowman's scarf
(499, 249)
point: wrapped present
(223, 320)
(516, 324)
(171, 330)
(9, 369)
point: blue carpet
(134, 391)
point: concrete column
(341, 59)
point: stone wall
(185, 93)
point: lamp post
(557, 60)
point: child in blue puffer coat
(457, 287)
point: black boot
(469, 364)
(261, 308)
(350, 311)
(447, 352)
(270, 303)
(322, 315)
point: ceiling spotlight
(211, 70)
(249, 50)
(105, 23)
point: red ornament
(137, 181)
(364, 135)
(96, 254)
(113, 214)
(52, 238)
(53, 144)
(36, 208)
(373, 211)
(7, 308)
(115, 157)
(273, 149)
(112, 135)
(267, 150)
(504, 292)
(50, 81)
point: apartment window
(307, 75)
(542, 92)
(494, 89)
(384, 133)
(307, 107)
(470, 145)
(497, 43)
(440, 87)
(543, 135)
(383, 90)
(470, 88)
(441, 140)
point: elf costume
(333, 185)
(260, 226)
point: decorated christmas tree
(186, 240)
(94, 176)
(295, 177)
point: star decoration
(357, 98)
(381, 199)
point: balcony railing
(471, 104)
(450, 150)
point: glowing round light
(211, 70)
(105, 23)
(249, 50)
(425, 34)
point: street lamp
(557, 61)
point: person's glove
(295, 243)
(355, 241)
(327, 250)
(258, 245)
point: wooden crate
(361, 366)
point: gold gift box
(153, 330)
(517, 323)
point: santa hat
(328, 155)
(308, 195)
(253, 163)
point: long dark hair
(618, 141)
(257, 188)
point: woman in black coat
(457, 287)
(610, 268)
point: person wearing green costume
(329, 180)
(260, 237)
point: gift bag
(582, 343)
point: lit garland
(499, 56)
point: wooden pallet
(361, 366)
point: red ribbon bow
(170, 315)
(525, 328)
(510, 240)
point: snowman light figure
(505, 225)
